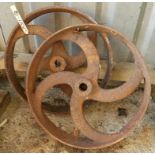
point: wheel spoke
(121, 92)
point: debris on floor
(22, 133)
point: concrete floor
(21, 133)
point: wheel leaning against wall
(90, 139)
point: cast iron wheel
(93, 139)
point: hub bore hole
(83, 87)
(57, 63)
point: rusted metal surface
(58, 47)
(84, 87)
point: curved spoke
(76, 107)
(121, 92)
(90, 52)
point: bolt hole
(57, 63)
(83, 87)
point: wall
(135, 20)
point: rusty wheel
(84, 87)
(58, 48)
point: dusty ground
(22, 134)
